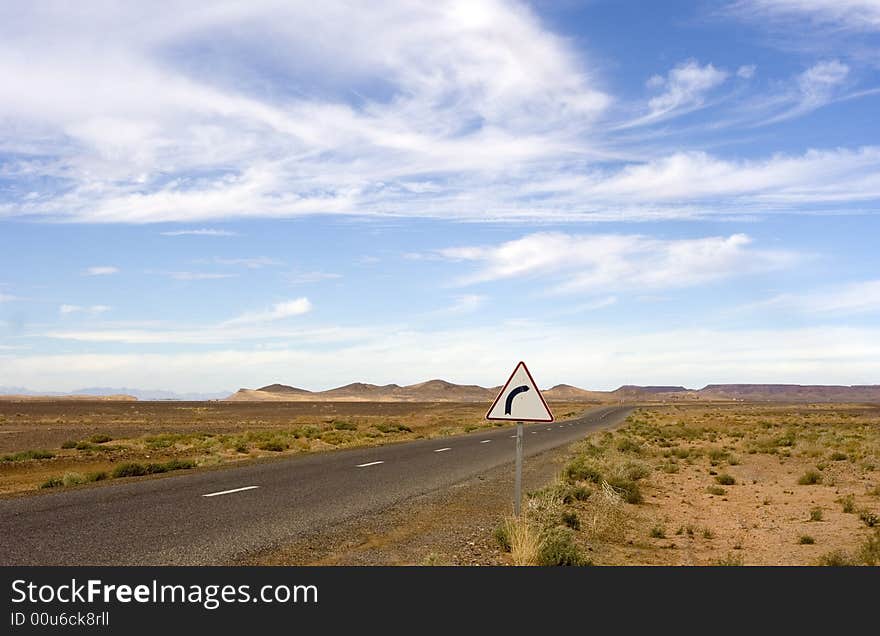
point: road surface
(216, 517)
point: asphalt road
(215, 517)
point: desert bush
(806, 539)
(837, 456)
(100, 439)
(345, 426)
(557, 547)
(816, 514)
(628, 489)
(73, 479)
(24, 456)
(71, 443)
(810, 478)
(657, 532)
(274, 446)
(848, 503)
(571, 520)
(52, 482)
(715, 490)
(525, 543)
(836, 559)
(731, 560)
(581, 470)
(870, 519)
(725, 480)
(503, 534)
(627, 445)
(869, 553)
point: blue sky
(200, 198)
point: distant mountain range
(443, 391)
(115, 392)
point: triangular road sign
(520, 400)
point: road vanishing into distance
(216, 517)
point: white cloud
(102, 270)
(684, 88)
(200, 232)
(854, 15)
(844, 299)
(151, 130)
(594, 262)
(818, 86)
(199, 275)
(257, 262)
(92, 309)
(302, 278)
(278, 311)
(5, 298)
(746, 71)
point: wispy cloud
(303, 278)
(844, 299)
(257, 262)
(278, 311)
(102, 270)
(852, 15)
(90, 309)
(5, 298)
(200, 232)
(199, 275)
(589, 263)
(684, 87)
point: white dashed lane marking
(369, 464)
(485, 441)
(440, 450)
(229, 492)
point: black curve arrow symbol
(509, 402)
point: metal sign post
(517, 490)
(519, 401)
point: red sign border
(503, 388)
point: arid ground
(685, 484)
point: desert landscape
(725, 475)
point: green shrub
(52, 482)
(73, 479)
(836, 559)
(558, 548)
(806, 539)
(848, 503)
(580, 470)
(869, 553)
(626, 445)
(816, 514)
(810, 478)
(837, 456)
(345, 426)
(241, 448)
(24, 456)
(129, 469)
(570, 519)
(570, 494)
(627, 489)
(658, 532)
(71, 443)
(96, 476)
(274, 446)
(716, 490)
(100, 439)
(725, 480)
(870, 519)
(731, 560)
(502, 535)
